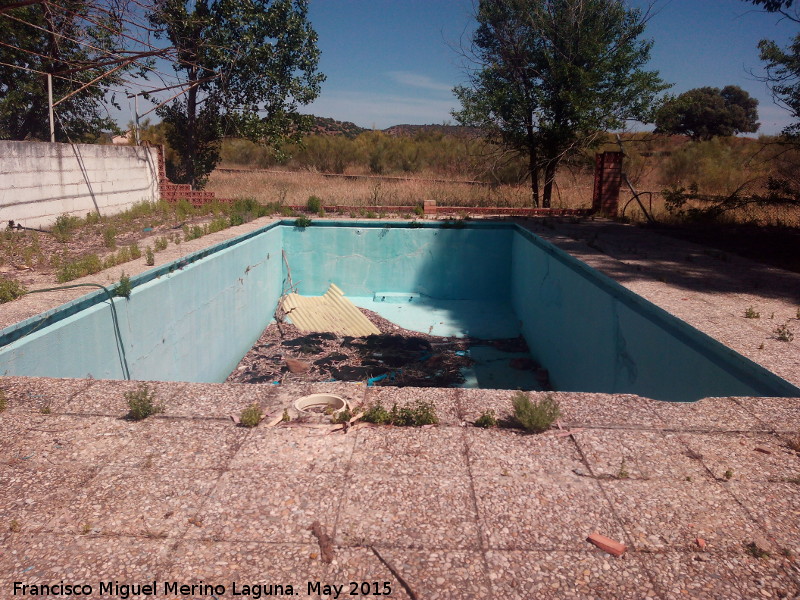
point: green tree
(238, 58)
(67, 40)
(703, 113)
(554, 75)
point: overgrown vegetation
(10, 290)
(142, 403)
(418, 414)
(535, 416)
(79, 267)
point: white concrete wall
(40, 181)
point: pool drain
(320, 404)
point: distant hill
(328, 126)
(412, 130)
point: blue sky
(389, 62)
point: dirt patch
(396, 357)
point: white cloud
(418, 80)
(381, 110)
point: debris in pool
(329, 313)
(395, 357)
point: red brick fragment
(607, 544)
(701, 543)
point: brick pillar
(429, 208)
(607, 181)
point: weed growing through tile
(285, 418)
(10, 290)
(761, 346)
(728, 474)
(536, 416)
(124, 287)
(794, 444)
(142, 403)
(377, 414)
(751, 313)
(416, 415)
(14, 526)
(623, 471)
(3, 401)
(794, 480)
(46, 410)
(86, 528)
(783, 333)
(250, 416)
(487, 419)
(756, 551)
(343, 416)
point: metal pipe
(50, 104)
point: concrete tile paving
(451, 511)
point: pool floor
(460, 319)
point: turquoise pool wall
(192, 320)
(592, 334)
(367, 257)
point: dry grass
(295, 187)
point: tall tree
(554, 75)
(783, 66)
(237, 58)
(69, 41)
(703, 113)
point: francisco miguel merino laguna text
(124, 591)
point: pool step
(396, 297)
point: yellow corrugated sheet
(331, 313)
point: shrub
(10, 289)
(751, 313)
(250, 416)
(536, 416)
(302, 222)
(149, 257)
(135, 251)
(160, 244)
(314, 204)
(142, 403)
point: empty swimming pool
(193, 320)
